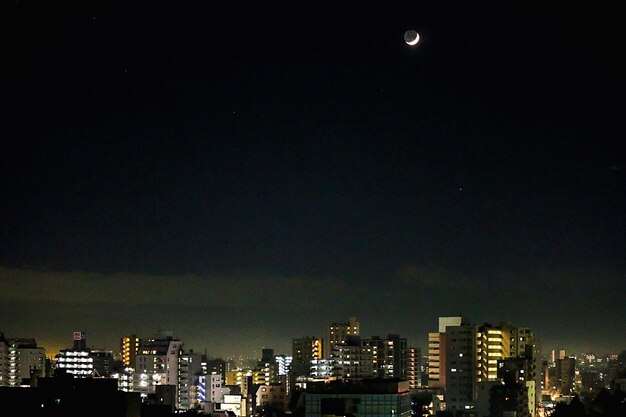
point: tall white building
(157, 363)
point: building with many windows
(129, 349)
(460, 368)
(157, 361)
(21, 361)
(304, 350)
(337, 334)
(83, 362)
(189, 372)
(466, 362)
(413, 367)
(436, 352)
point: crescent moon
(414, 41)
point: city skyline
(283, 345)
(243, 179)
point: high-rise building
(436, 378)
(284, 363)
(413, 368)
(270, 367)
(237, 377)
(337, 333)
(436, 352)
(460, 370)
(84, 362)
(352, 359)
(375, 357)
(322, 368)
(508, 400)
(465, 361)
(271, 396)
(80, 341)
(493, 343)
(389, 356)
(189, 371)
(215, 389)
(216, 366)
(524, 345)
(616, 365)
(157, 362)
(129, 349)
(565, 372)
(304, 350)
(21, 361)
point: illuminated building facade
(274, 396)
(376, 357)
(322, 368)
(337, 333)
(492, 344)
(217, 389)
(465, 361)
(157, 363)
(436, 352)
(237, 377)
(189, 371)
(86, 363)
(75, 362)
(304, 350)
(215, 366)
(435, 379)
(129, 349)
(352, 360)
(21, 360)
(413, 367)
(284, 363)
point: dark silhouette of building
(507, 399)
(64, 395)
(373, 397)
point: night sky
(243, 179)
